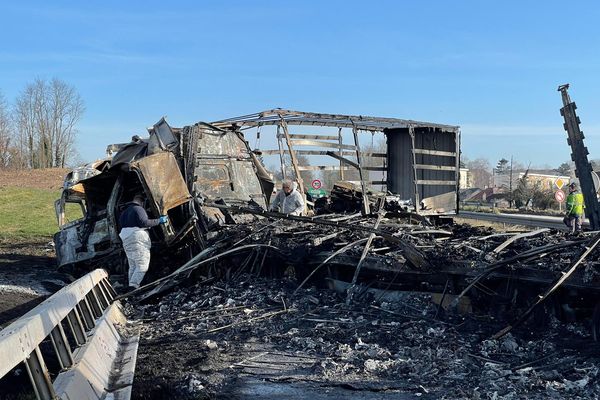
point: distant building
(544, 178)
(466, 179)
(548, 181)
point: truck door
(167, 191)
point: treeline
(38, 129)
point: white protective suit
(136, 242)
(292, 204)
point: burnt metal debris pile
(261, 317)
(241, 297)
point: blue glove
(163, 219)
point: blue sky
(490, 67)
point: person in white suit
(134, 234)
(289, 200)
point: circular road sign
(559, 195)
(316, 184)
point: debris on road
(244, 318)
(210, 341)
(377, 292)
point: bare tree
(5, 133)
(46, 114)
(307, 175)
(482, 172)
(67, 109)
(24, 117)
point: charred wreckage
(197, 173)
(373, 239)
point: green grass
(27, 213)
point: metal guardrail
(72, 318)
(542, 221)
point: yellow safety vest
(575, 204)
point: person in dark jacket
(134, 223)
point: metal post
(77, 328)
(510, 183)
(281, 153)
(99, 294)
(583, 168)
(61, 347)
(366, 209)
(380, 215)
(411, 132)
(39, 376)
(109, 288)
(257, 143)
(105, 292)
(293, 156)
(95, 304)
(88, 318)
(457, 165)
(341, 153)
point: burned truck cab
(222, 169)
(179, 171)
(94, 238)
(89, 233)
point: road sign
(317, 193)
(559, 183)
(316, 184)
(559, 195)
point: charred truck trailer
(419, 168)
(184, 170)
(178, 170)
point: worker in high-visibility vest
(575, 206)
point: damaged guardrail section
(83, 323)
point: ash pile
(338, 305)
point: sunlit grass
(27, 213)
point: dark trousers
(574, 222)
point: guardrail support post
(109, 288)
(94, 303)
(76, 327)
(99, 296)
(88, 318)
(38, 373)
(103, 294)
(61, 346)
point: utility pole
(583, 168)
(510, 187)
